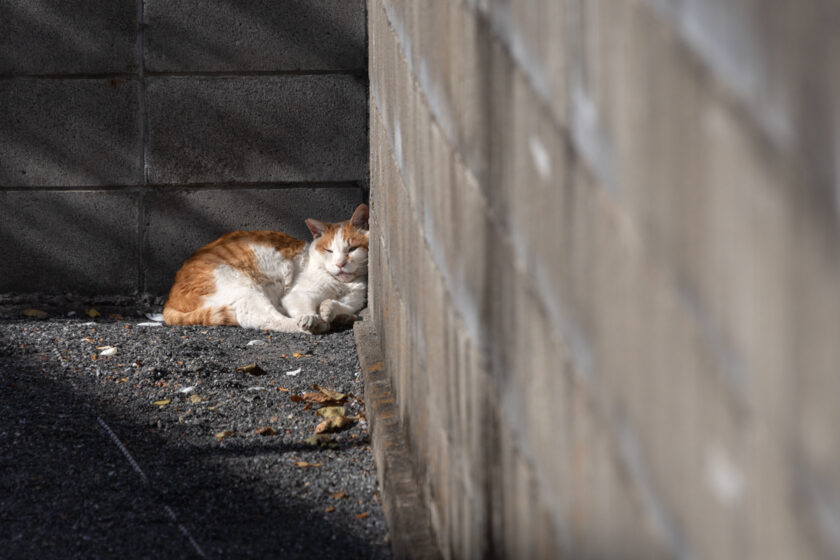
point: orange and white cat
(270, 280)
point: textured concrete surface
(73, 133)
(405, 511)
(91, 467)
(177, 223)
(74, 241)
(249, 129)
(225, 36)
(604, 266)
(47, 37)
(265, 95)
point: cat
(269, 280)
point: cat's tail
(201, 316)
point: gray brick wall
(605, 270)
(134, 131)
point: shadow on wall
(85, 226)
(255, 36)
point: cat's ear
(317, 228)
(360, 217)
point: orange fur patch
(195, 280)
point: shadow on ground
(67, 489)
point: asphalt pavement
(122, 438)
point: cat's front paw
(312, 324)
(327, 310)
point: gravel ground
(90, 467)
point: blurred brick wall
(606, 271)
(134, 131)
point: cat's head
(343, 247)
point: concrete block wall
(134, 131)
(605, 270)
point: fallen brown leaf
(195, 398)
(223, 434)
(363, 515)
(265, 431)
(319, 439)
(252, 369)
(329, 509)
(334, 395)
(304, 464)
(331, 411)
(332, 423)
(338, 495)
(323, 426)
(318, 398)
(162, 402)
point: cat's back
(261, 256)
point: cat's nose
(340, 262)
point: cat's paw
(327, 310)
(312, 324)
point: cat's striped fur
(270, 280)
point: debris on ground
(239, 465)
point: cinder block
(69, 133)
(262, 35)
(179, 222)
(92, 37)
(57, 242)
(249, 129)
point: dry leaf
(317, 398)
(107, 350)
(332, 423)
(253, 369)
(90, 340)
(115, 316)
(92, 313)
(274, 419)
(296, 398)
(282, 389)
(304, 464)
(331, 411)
(265, 431)
(323, 426)
(297, 355)
(162, 402)
(36, 314)
(319, 439)
(223, 434)
(334, 395)
(338, 495)
(329, 509)
(195, 398)
(363, 515)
